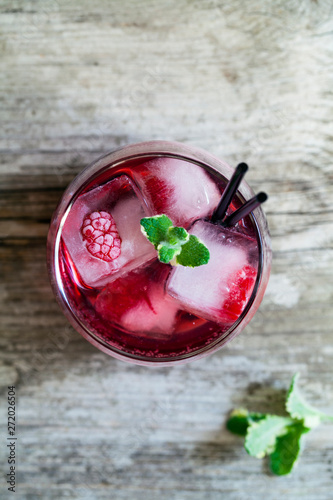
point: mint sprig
(174, 244)
(278, 437)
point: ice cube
(137, 301)
(219, 290)
(179, 189)
(102, 233)
(159, 316)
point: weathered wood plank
(244, 81)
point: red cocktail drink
(106, 274)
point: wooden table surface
(248, 81)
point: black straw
(245, 209)
(229, 192)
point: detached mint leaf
(240, 420)
(156, 228)
(299, 409)
(287, 449)
(279, 437)
(261, 436)
(194, 253)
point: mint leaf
(299, 409)
(166, 252)
(156, 228)
(261, 436)
(177, 235)
(174, 243)
(194, 253)
(240, 420)
(287, 449)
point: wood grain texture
(247, 81)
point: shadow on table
(223, 447)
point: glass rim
(122, 155)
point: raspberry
(240, 289)
(100, 232)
